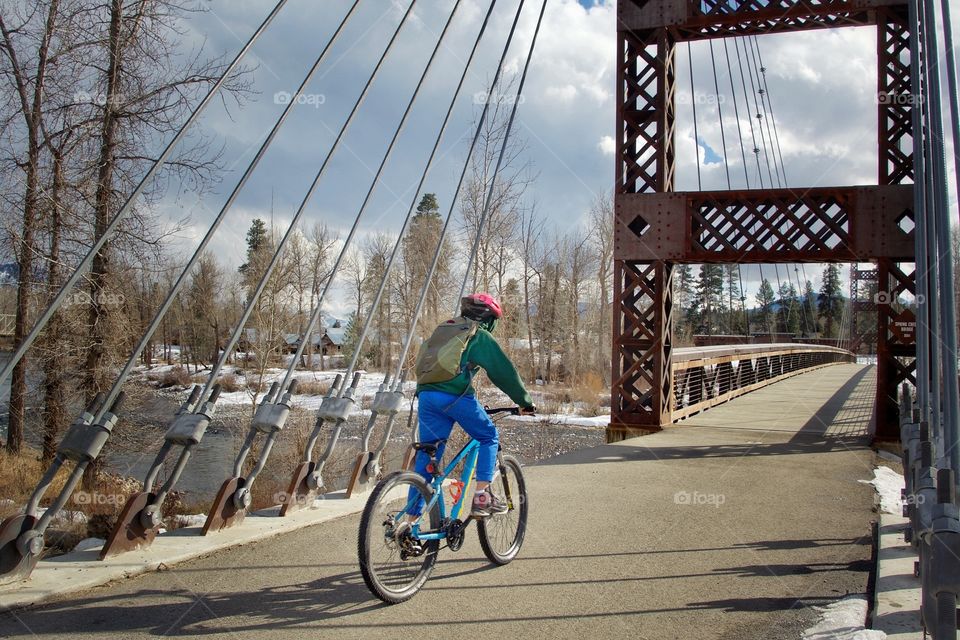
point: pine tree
(257, 239)
(735, 299)
(830, 301)
(428, 205)
(765, 299)
(683, 297)
(810, 306)
(710, 296)
(788, 320)
(351, 336)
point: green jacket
(483, 352)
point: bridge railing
(707, 376)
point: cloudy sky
(822, 87)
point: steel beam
(656, 227)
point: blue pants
(438, 411)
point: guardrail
(707, 376)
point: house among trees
(327, 341)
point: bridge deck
(612, 550)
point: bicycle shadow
(183, 612)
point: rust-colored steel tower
(657, 227)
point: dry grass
(313, 387)
(99, 505)
(176, 377)
(229, 383)
(19, 475)
(591, 394)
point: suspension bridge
(726, 502)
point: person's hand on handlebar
(528, 411)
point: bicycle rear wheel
(501, 536)
(394, 564)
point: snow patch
(888, 484)
(843, 620)
(566, 419)
(195, 520)
(88, 544)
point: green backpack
(440, 356)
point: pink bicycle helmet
(480, 306)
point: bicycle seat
(430, 448)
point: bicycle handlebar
(514, 411)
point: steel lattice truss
(657, 227)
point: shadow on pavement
(335, 602)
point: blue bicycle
(406, 519)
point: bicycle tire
(370, 524)
(500, 547)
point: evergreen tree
(830, 301)
(765, 299)
(710, 297)
(428, 206)
(257, 239)
(735, 300)
(788, 316)
(351, 336)
(683, 297)
(810, 306)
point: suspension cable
(773, 119)
(952, 88)
(743, 303)
(503, 151)
(693, 103)
(398, 370)
(261, 285)
(746, 96)
(181, 280)
(318, 307)
(948, 324)
(756, 108)
(723, 135)
(388, 269)
(762, 115)
(736, 114)
(111, 227)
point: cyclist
(446, 365)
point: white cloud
(607, 145)
(566, 93)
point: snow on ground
(195, 520)
(369, 385)
(89, 543)
(843, 620)
(567, 419)
(888, 484)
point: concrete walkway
(733, 524)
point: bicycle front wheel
(501, 536)
(394, 562)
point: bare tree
(495, 250)
(601, 238)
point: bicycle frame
(469, 453)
